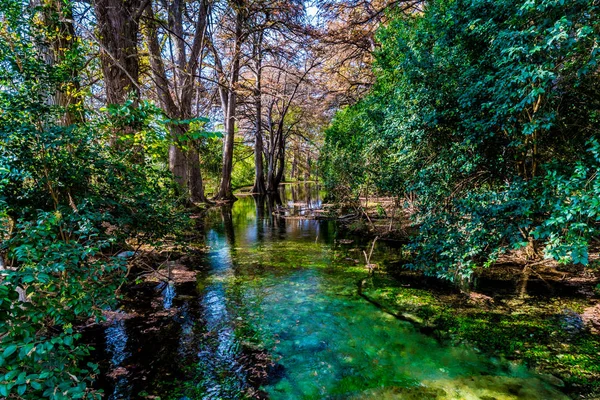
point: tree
(228, 86)
(62, 43)
(345, 31)
(286, 81)
(177, 94)
(259, 186)
(68, 203)
(118, 30)
(478, 110)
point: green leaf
(10, 349)
(21, 389)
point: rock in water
(126, 254)
(572, 322)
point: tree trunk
(195, 184)
(259, 173)
(271, 187)
(118, 28)
(280, 169)
(225, 190)
(280, 161)
(177, 163)
(59, 17)
(58, 20)
(294, 171)
(308, 162)
(184, 165)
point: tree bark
(183, 164)
(259, 172)
(294, 171)
(280, 162)
(225, 190)
(118, 28)
(58, 17)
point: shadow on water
(274, 313)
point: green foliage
(68, 203)
(211, 161)
(486, 112)
(243, 166)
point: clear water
(275, 314)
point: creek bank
(541, 313)
(229, 332)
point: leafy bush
(487, 113)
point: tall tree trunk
(177, 159)
(294, 171)
(58, 18)
(61, 39)
(271, 161)
(177, 163)
(280, 163)
(187, 68)
(225, 190)
(184, 165)
(118, 28)
(259, 173)
(195, 184)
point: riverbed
(273, 312)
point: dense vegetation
(485, 112)
(68, 204)
(119, 117)
(104, 143)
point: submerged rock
(571, 322)
(126, 254)
(310, 344)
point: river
(274, 313)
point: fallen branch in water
(370, 267)
(401, 316)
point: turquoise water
(274, 314)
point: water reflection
(303, 200)
(186, 337)
(221, 375)
(116, 345)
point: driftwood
(370, 267)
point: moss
(536, 335)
